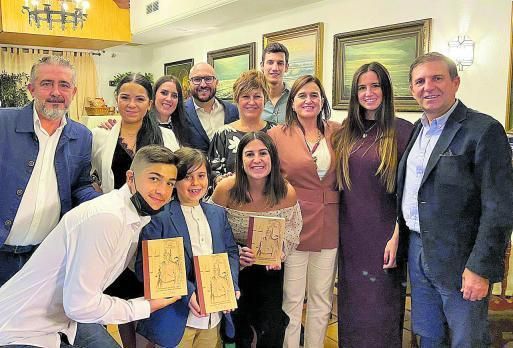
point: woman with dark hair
(259, 189)
(308, 163)
(112, 154)
(368, 148)
(250, 92)
(168, 107)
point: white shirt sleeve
(94, 252)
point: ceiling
(229, 14)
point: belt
(318, 196)
(18, 249)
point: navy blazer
(465, 198)
(165, 327)
(19, 148)
(198, 137)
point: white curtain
(16, 60)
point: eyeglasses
(197, 79)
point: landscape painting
(229, 63)
(180, 69)
(305, 50)
(395, 46)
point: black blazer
(198, 136)
(465, 198)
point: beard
(196, 91)
(50, 113)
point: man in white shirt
(45, 163)
(206, 113)
(63, 282)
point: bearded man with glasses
(205, 112)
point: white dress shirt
(40, 206)
(213, 120)
(416, 164)
(201, 242)
(63, 282)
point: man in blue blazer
(205, 112)
(45, 160)
(455, 199)
(166, 326)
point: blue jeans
(440, 316)
(88, 336)
(12, 259)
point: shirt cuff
(142, 308)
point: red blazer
(318, 199)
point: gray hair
(52, 60)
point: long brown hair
(275, 188)
(345, 139)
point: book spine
(251, 223)
(146, 270)
(199, 286)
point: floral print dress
(223, 148)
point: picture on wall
(180, 69)
(394, 46)
(229, 63)
(305, 45)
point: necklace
(315, 145)
(364, 135)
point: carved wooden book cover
(164, 268)
(214, 282)
(265, 238)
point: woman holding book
(259, 189)
(308, 163)
(205, 231)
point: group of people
(367, 197)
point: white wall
(484, 84)
(118, 60)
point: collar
(440, 121)
(214, 107)
(286, 89)
(132, 217)
(37, 121)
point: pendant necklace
(314, 147)
(364, 135)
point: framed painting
(305, 45)
(229, 63)
(180, 69)
(395, 46)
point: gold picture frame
(305, 46)
(395, 46)
(229, 63)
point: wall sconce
(462, 51)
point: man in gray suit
(455, 193)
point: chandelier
(67, 11)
